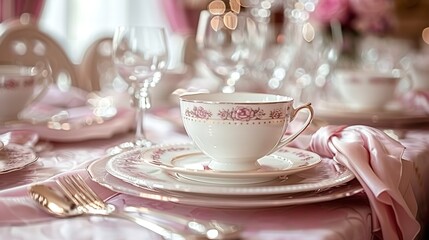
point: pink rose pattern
(15, 83)
(15, 157)
(276, 114)
(198, 112)
(239, 113)
(372, 15)
(305, 157)
(157, 154)
(133, 160)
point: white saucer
(130, 168)
(14, 157)
(80, 128)
(98, 173)
(187, 160)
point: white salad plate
(392, 116)
(82, 126)
(14, 157)
(131, 168)
(188, 161)
(97, 171)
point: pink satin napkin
(376, 161)
(17, 207)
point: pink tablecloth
(347, 218)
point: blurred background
(76, 23)
(385, 34)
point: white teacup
(237, 129)
(19, 85)
(366, 90)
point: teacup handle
(286, 140)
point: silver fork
(76, 188)
(90, 203)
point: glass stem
(142, 99)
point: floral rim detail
(15, 157)
(157, 154)
(239, 113)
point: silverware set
(75, 198)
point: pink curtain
(175, 12)
(15, 8)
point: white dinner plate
(188, 161)
(129, 167)
(14, 157)
(98, 173)
(392, 117)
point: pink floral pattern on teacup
(241, 113)
(15, 83)
(198, 112)
(277, 114)
(238, 113)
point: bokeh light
(425, 35)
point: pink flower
(276, 114)
(372, 15)
(373, 24)
(198, 112)
(363, 16)
(259, 113)
(327, 10)
(223, 114)
(242, 114)
(365, 8)
(10, 84)
(202, 113)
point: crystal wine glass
(229, 52)
(140, 55)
